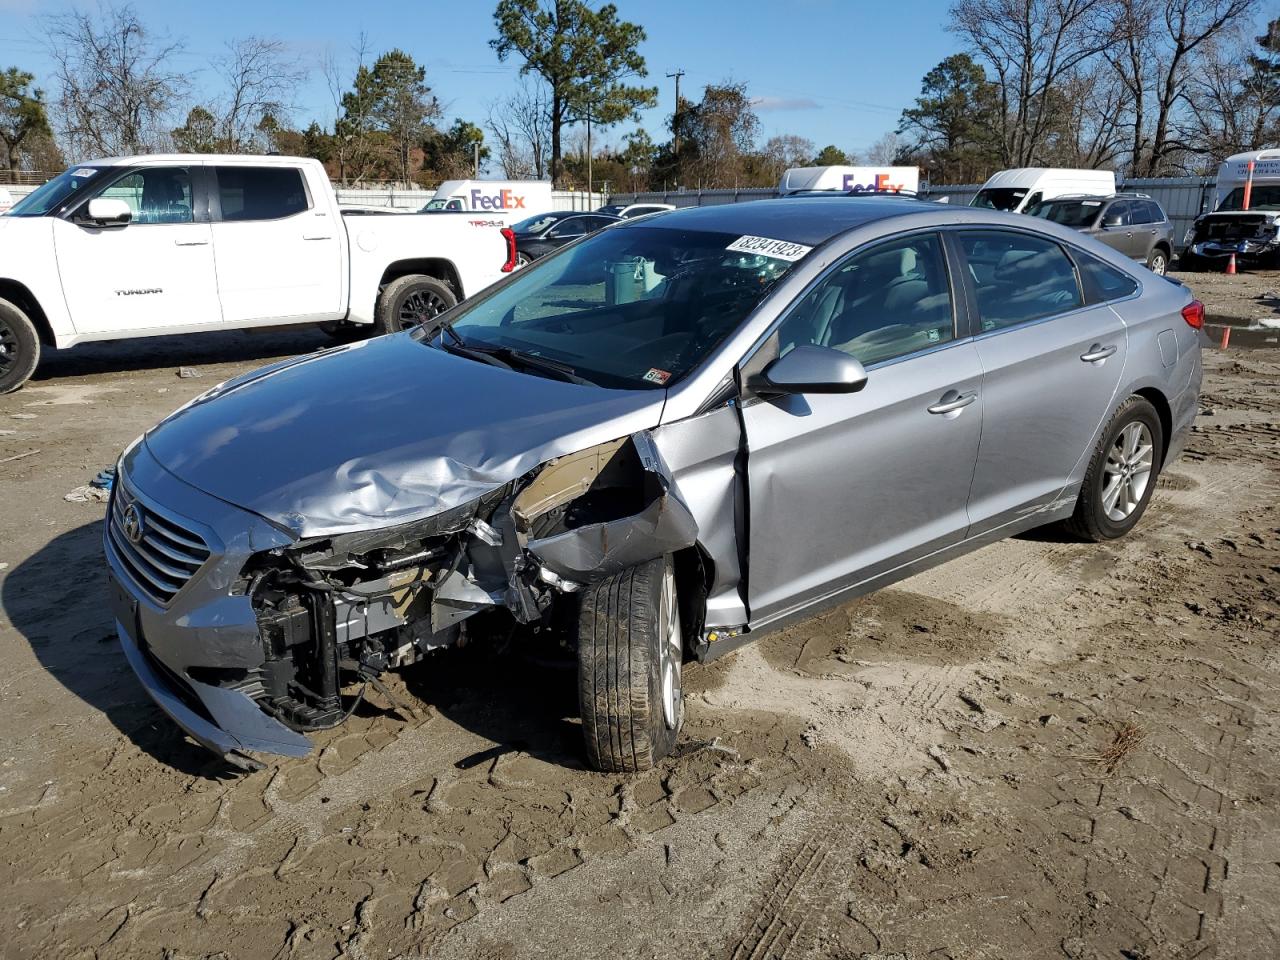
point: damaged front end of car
(337, 611)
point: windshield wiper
(513, 356)
(460, 348)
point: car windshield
(1261, 198)
(999, 198)
(535, 224)
(631, 308)
(1069, 213)
(52, 194)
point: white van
(850, 179)
(1015, 190)
(505, 200)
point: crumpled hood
(383, 432)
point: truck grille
(1231, 229)
(159, 554)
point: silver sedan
(662, 440)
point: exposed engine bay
(337, 610)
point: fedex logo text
(881, 184)
(503, 200)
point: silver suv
(1131, 223)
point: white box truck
(1015, 190)
(842, 179)
(502, 202)
(178, 243)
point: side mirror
(109, 212)
(811, 369)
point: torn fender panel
(392, 433)
(591, 552)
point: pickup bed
(167, 244)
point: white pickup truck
(165, 244)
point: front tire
(411, 301)
(630, 649)
(1122, 473)
(19, 347)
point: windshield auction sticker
(83, 172)
(764, 247)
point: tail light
(509, 236)
(1193, 313)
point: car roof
(806, 220)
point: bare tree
(785, 151)
(521, 125)
(117, 85)
(1160, 44)
(1231, 105)
(883, 151)
(1030, 47)
(352, 123)
(261, 81)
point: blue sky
(831, 71)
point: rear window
(1140, 212)
(1103, 282)
(1018, 277)
(261, 193)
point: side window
(155, 194)
(1033, 200)
(1116, 215)
(1139, 212)
(880, 303)
(1018, 277)
(570, 227)
(1103, 282)
(261, 193)
(1155, 212)
(453, 205)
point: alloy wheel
(419, 307)
(1159, 264)
(1127, 471)
(672, 651)
(8, 347)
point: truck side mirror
(109, 212)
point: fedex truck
(508, 201)
(849, 180)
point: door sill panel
(168, 331)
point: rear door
(843, 487)
(1117, 228)
(1051, 367)
(278, 249)
(156, 272)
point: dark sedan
(539, 235)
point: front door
(1052, 365)
(156, 272)
(845, 487)
(279, 253)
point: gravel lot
(1048, 749)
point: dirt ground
(1047, 749)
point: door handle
(1098, 352)
(952, 401)
(191, 243)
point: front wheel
(411, 301)
(630, 652)
(1122, 473)
(1158, 262)
(19, 347)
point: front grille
(161, 555)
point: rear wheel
(19, 347)
(411, 301)
(630, 650)
(1122, 474)
(522, 261)
(1158, 261)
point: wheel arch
(436, 267)
(21, 297)
(1158, 400)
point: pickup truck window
(155, 194)
(261, 193)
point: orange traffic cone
(1231, 266)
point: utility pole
(675, 117)
(589, 153)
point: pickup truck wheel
(410, 301)
(630, 650)
(19, 347)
